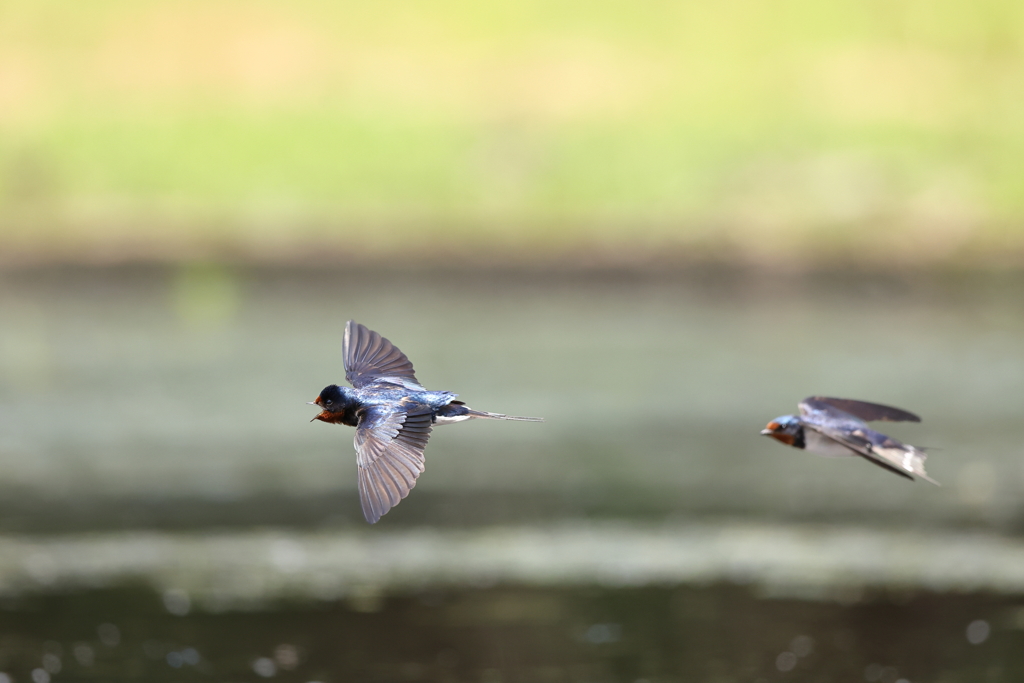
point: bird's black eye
(329, 401)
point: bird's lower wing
(389, 450)
(900, 457)
(880, 450)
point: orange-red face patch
(776, 433)
(787, 439)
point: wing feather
(869, 412)
(371, 358)
(368, 498)
(398, 478)
(389, 454)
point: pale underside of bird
(836, 427)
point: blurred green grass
(853, 130)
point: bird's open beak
(320, 415)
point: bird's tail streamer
(502, 416)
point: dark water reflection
(718, 633)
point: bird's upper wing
(863, 410)
(371, 358)
(389, 448)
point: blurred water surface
(161, 476)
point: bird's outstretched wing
(869, 412)
(389, 448)
(371, 358)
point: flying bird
(393, 415)
(836, 427)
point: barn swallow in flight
(393, 415)
(835, 427)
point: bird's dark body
(348, 405)
(393, 415)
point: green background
(863, 131)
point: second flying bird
(836, 427)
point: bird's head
(786, 429)
(333, 403)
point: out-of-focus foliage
(861, 129)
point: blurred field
(782, 132)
